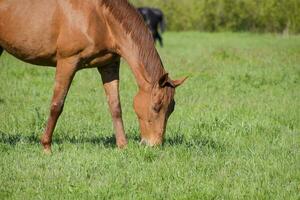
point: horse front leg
(65, 71)
(110, 79)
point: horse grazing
(74, 35)
(154, 18)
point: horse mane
(135, 26)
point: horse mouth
(150, 143)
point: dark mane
(135, 26)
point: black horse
(154, 18)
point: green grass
(235, 132)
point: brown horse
(72, 35)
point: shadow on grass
(110, 141)
(13, 139)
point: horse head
(154, 108)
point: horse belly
(104, 60)
(28, 30)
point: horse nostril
(143, 142)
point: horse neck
(133, 41)
(144, 62)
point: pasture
(235, 132)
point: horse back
(41, 31)
(27, 28)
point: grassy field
(235, 132)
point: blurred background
(277, 16)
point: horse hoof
(122, 144)
(47, 151)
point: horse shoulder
(87, 35)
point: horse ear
(164, 79)
(179, 81)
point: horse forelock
(133, 24)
